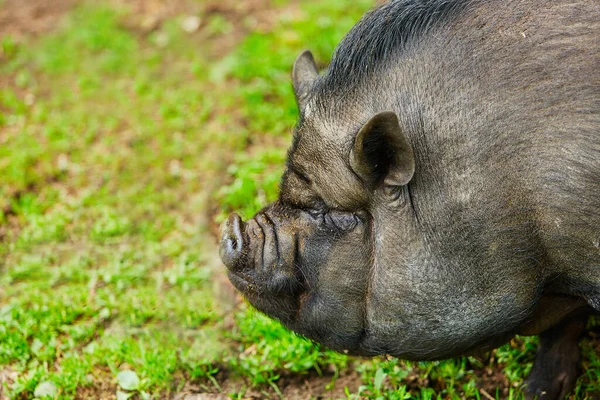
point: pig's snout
(232, 246)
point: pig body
(442, 192)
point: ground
(128, 129)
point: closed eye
(304, 178)
(300, 174)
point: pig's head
(307, 258)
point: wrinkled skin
(448, 201)
(297, 279)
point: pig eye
(304, 178)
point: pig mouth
(260, 258)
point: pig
(442, 190)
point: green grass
(120, 151)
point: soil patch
(24, 17)
(290, 386)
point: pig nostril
(232, 241)
(236, 224)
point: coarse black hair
(380, 35)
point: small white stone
(29, 99)
(175, 168)
(63, 162)
(162, 39)
(191, 23)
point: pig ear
(381, 152)
(304, 74)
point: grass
(120, 152)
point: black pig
(442, 192)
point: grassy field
(126, 136)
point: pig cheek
(333, 311)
